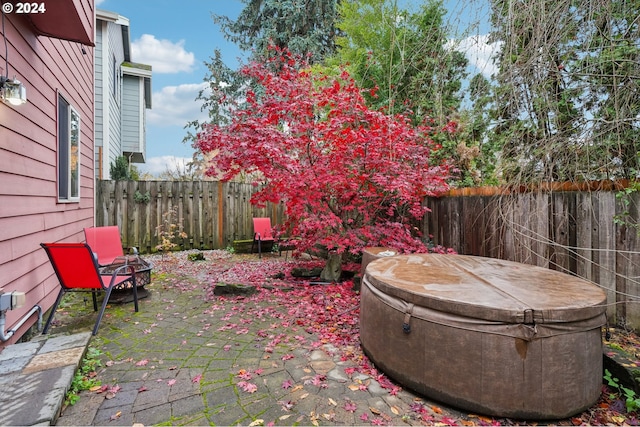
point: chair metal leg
(106, 301)
(94, 296)
(53, 310)
(135, 292)
(259, 248)
(104, 306)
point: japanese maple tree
(349, 176)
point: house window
(68, 152)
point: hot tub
(373, 253)
(485, 335)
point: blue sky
(176, 37)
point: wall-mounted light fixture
(12, 91)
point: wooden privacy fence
(569, 229)
(584, 233)
(213, 214)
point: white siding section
(132, 110)
(99, 112)
(120, 95)
(115, 57)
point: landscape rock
(234, 289)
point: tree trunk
(333, 268)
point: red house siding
(29, 209)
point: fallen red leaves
(329, 314)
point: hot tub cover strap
(486, 288)
(527, 332)
(406, 326)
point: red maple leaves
(349, 176)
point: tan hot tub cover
(486, 335)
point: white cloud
(177, 105)
(99, 1)
(479, 52)
(158, 165)
(163, 55)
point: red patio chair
(77, 270)
(106, 242)
(262, 232)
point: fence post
(220, 215)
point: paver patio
(287, 355)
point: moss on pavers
(202, 346)
(227, 414)
(130, 376)
(154, 394)
(277, 383)
(184, 386)
(122, 417)
(215, 351)
(188, 420)
(153, 415)
(265, 410)
(248, 401)
(189, 406)
(220, 396)
(214, 379)
(126, 396)
(178, 356)
(201, 362)
(81, 414)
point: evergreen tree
(304, 27)
(609, 42)
(475, 153)
(224, 93)
(405, 54)
(566, 102)
(119, 169)
(406, 64)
